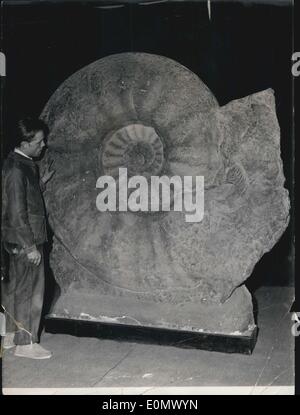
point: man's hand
(34, 257)
(48, 173)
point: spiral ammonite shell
(153, 116)
(135, 147)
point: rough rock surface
(155, 117)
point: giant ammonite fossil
(153, 116)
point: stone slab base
(233, 317)
(225, 343)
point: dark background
(245, 48)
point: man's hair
(28, 127)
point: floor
(95, 366)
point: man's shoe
(8, 341)
(32, 351)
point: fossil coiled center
(136, 147)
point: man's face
(35, 146)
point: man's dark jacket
(23, 212)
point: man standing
(23, 236)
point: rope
(18, 324)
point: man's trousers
(23, 295)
